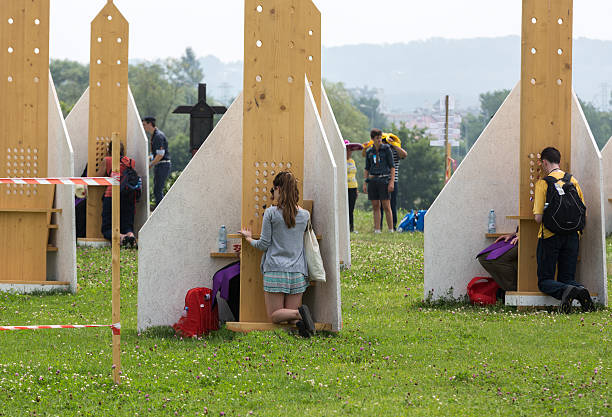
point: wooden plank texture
(546, 88)
(313, 50)
(273, 123)
(108, 87)
(24, 90)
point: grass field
(396, 354)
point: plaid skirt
(285, 282)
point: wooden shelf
(52, 226)
(51, 248)
(30, 210)
(496, 235)
(233, 255)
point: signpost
(447, 136)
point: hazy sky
(162, 28)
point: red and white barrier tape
(116, 328)
(63, 180)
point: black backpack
(131, 183)
(565, 212)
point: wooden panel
(108, 82)
(273, 123)
(546, 86)
(24, 90)
(313, 50)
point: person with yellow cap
(379, 179)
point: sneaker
(377, 231)
(302, 329)
(391, 230)
(569, 294)
(307, 318)
(354, 231)
(586, 302)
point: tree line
(160, 86)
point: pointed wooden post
(546, 94)
(108, 93)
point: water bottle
(222, 239)
(185, 312)
(492, 228)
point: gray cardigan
(283, 247)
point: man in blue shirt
(379, 178)
(161, 158)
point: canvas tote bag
(316, 272)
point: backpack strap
(567, 178)
(550, 179)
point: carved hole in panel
(99, 61)
(531, 177)
(259, 43)
(119, 40)
(560, 21)
(272, 164)
(265, 181)
(256, 189)
(256, 180)
(538, 156)
(118, 62)
(98, 83)
(256, 164)
(530, 198)
(256, 198)
(37, 22)
(533, 81)
(290, 79)
(10, 79)
(264, 198)
(531, 156)
(533, 51)
(10, 49)
(256, 214)
(35, 151)
(531, 192)
(265, 173)
(36, 80)
(280, 164)
(559, 51)
(36, 51)
(532, 163)
(310, 58)
(118, 84)
(310, 32)
(10, 21)
(259, 9)
(99, 39)
(559, 81)
(272, 173)
(310, 83)
(534, 20)
(291, 44)
(265, 164)
(288, 164)
(258, 78)
(109, 17)
(257, 172)
(264, 190)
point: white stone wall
(176, 242)
(77, 123)
(336, 143)
(61, 265)
(606, 156)
(456, 223)
(320, 185)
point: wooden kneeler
(280, 37)
(25, 210)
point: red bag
(199, 316)
(482, 290)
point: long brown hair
(288, 196)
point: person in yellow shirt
(557, 250)
(353, 186)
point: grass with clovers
(396, 355)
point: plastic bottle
(185, 311)
(222, 239)
(492, 228)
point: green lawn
(396, 355)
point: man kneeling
(559, 209)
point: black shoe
(586, 302)
(307, 319)
(302, 329)
(568, 296)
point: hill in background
(416, 74)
